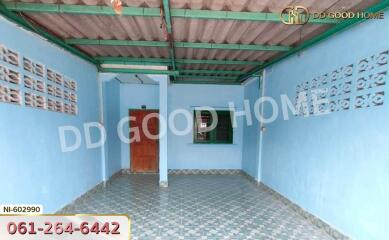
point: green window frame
(221, 134)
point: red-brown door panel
(144, 153)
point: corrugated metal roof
(191, 30)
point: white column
(262, 128)
(101, 79)
(163, 112)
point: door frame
(129, 145)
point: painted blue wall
(133, 96)
(111, 120)
(183, 154)
(34, 170)
(336, 166)
(250, 151)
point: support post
(261, 126)
(102, 78)
(163, 138)
(103, 150)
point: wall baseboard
(193, 172)
(307, 215)
(250, 178)
(205, 171)
(128, 171)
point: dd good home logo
(296, 15)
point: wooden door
(144, 153)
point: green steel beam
(117, 42)
(139, 71)
(154, 12)
(225, 46)
(239, 16)
(81, 9)
(166, 72)
(166, 10)
(169, 29)
(166, 61)
(381, 6)
(51, 38)
(205, 82)
(173, 57)
(135, 62)
(227, 72)
(217, 62)
(206, 77)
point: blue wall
(250, 151)
(34, 170)
(111, 120)
(183, 154)
(133, 96)
(336, 166)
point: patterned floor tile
(209, 207)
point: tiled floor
(199, 207)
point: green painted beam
(154, 12)
(381, 6)
(206, 77)
(166, 61)
(51, 38)
(81, 9)
(217, 62)
(135, 61)
(165, 72)
(139, 71)
(140, 62)
(166, 10)
(205, 82)
(225, 46)
(169, 29)
(227, 72)
(239, 16)
(173, 58)
(108, 42)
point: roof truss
(153, 12)
(167, 62)
(115, 42)
(228, 76)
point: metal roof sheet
(135, 28)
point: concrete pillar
(163, 112)
(102, 78)
(262, 128)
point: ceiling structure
(135, 79)
(193, 41)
